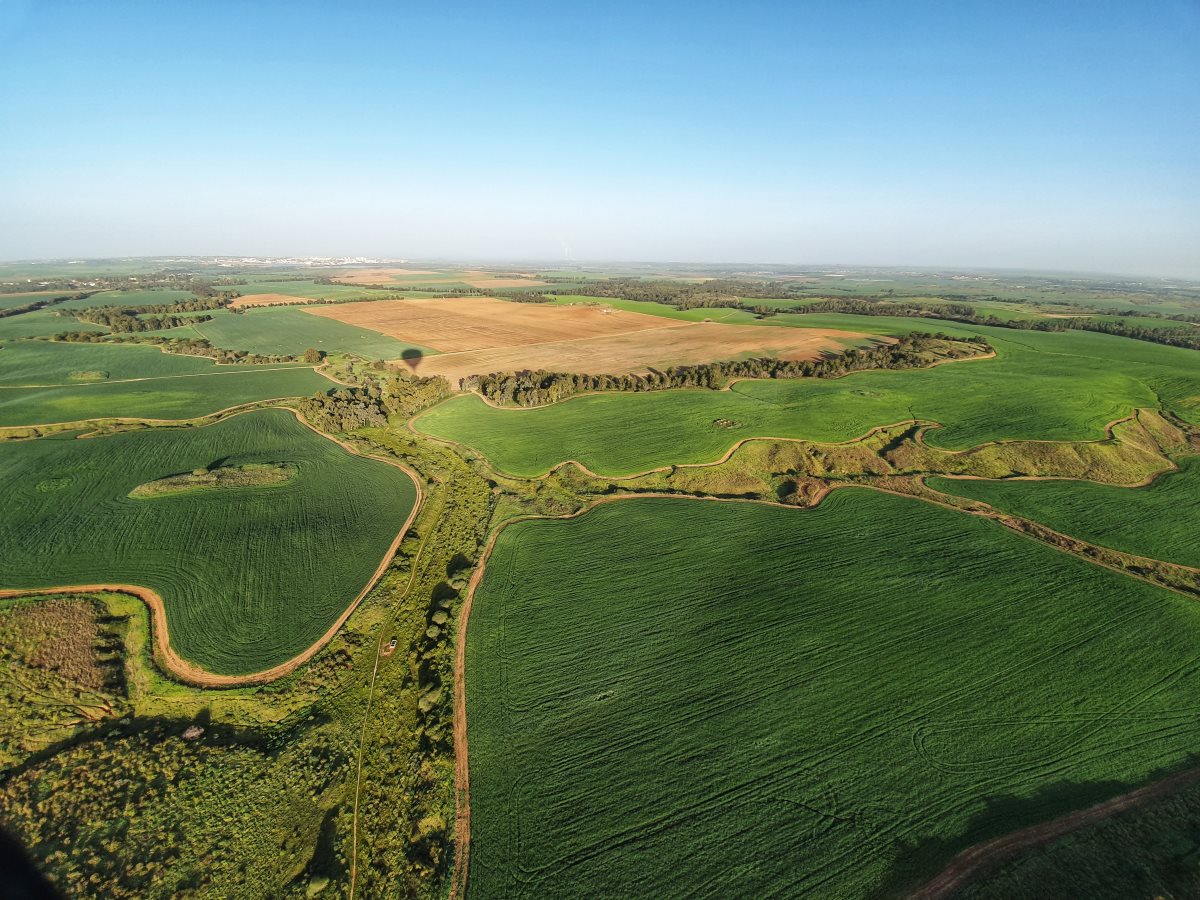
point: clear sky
(1044, 134)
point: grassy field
(799, 703)
(163, 386)
(43, 323)
(8, 301)
(50, 363)
(1042, 386)
(250, 576)
(130, 299)
(1161, 521)
(289, 331)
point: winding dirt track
(193, 674)
(973, 861)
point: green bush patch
(249, 475)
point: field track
(969, 864)
(190, 673)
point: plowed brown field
(478, 335)
(477, 323)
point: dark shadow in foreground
(916, 864)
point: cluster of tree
(861, 306)
(717, 292)
(523, 296)
(124, 320)
(540, 387)
(961, 312)
(184, 346)
(406, 395)
(186, 281)
(42, 304)
(384, 391)
(346, 409)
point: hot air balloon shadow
(412, 357)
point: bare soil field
(478, 335)
(640, 351)
(269, 300)
(479, 323)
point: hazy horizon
(969, 136)
(680, 265)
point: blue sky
(1060, 135)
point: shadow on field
(412, 357)
(915, 864)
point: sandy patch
(478, 323)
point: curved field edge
(462, 764)
(179, 386)
(1060, 389)
(920, 429)
(189, 672)
(1149, 519)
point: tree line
(42, 304)
(714, 293)
(125, 320)
(961, 312)
(732, 293)
(184, 346)
(535, 388)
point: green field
(1161, 521)
(250, 576)
(43, 323)
(289, 331)
(8, 301)
(130, 299)
(775, 702)
(52, 362)
(36, 384)
(1043, 386)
